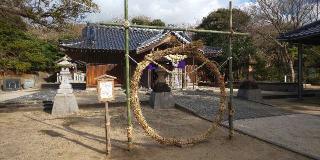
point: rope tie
(149, 59)
(231, 111)
(133, 59)
(225, 62)
(126, 24)
(196, 69)
(129, 135)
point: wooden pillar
(300, 74)
(149, 79)
(193, 76)
(107, 127)
(185, 77)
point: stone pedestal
(64, 104)
(161, 100)
(250, 94)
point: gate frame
(127, 26)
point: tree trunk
(293, 75)
(290, 61)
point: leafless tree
(273, 17)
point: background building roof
(308, 34)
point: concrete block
(28, 83)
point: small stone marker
(106, 94)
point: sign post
(106, 94)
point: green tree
(143, 20)
(22, 52)
(157, 22)
(242, 46)
(48, 13)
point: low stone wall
(27, 80)
(283, 87)
(274, 86)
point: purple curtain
(182, 64)
(151, 66)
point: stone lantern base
(161, 100)
(64, 104)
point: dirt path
(37, 135)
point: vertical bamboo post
(317, 10)
(126, 26)
(107, 127)
(230, 104)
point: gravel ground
(205, 105)
(83, 97)
(39, 97)
(38, 135)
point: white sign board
(105, 90)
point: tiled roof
(110, 38)
(99, 37)
(211, 52)
(308, 34)
(182, 37)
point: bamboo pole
(107, 127)
(177, 29)
(127, 38)
(230, 104)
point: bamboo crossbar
(176, 29)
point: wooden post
(105, 89)
(107, 127)
(193, 76)
(185, 77)
(149, 79)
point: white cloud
(170, 11)
(247, 5)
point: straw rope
(189, 50)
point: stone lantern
(161, 96)
(65, 102)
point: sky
(189, 12)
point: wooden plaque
(105, 90)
